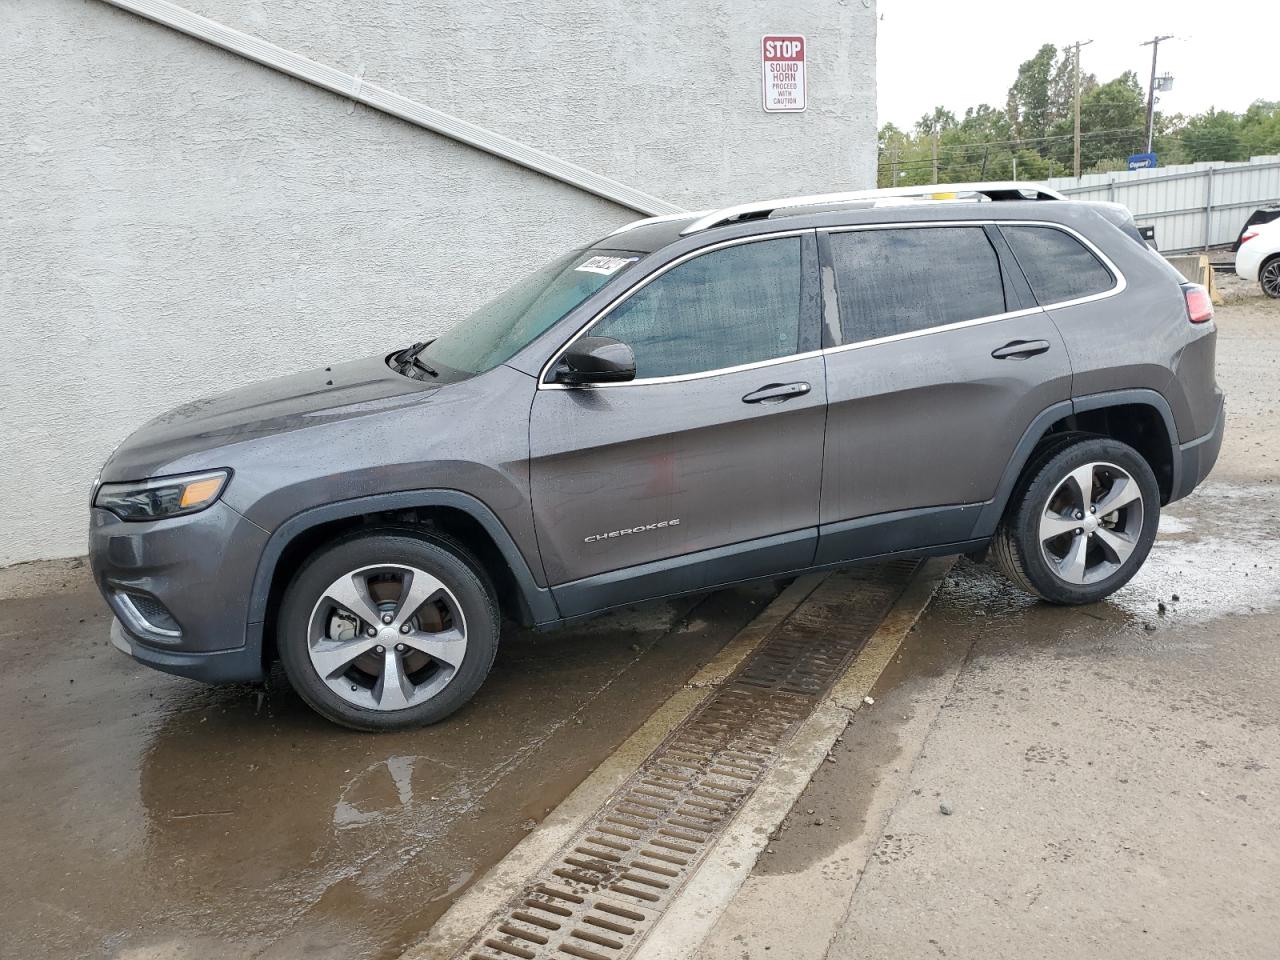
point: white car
(1259, 256)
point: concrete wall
(179, 221)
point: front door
(940, 360)
(707, 467)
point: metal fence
(1192, 206)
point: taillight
(1199, 306)
(1249, 236)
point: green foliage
(1260, 128)
(1035, 130)
(1214, 135)
(1030, 106)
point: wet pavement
(1111, 771)
(153, 818)
(1110, 774)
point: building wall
(180, 221)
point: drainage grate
(609, 885)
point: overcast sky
(934, 52)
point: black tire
(439, 556)
(1016, 547)
(1269, 277)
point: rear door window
(730, 307)
(905, 280)
(1057, 265)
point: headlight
(162, 497)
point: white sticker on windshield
(605, 265)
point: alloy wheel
(1091, 523)
(1270, 278)
(387, 637)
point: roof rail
(1001, 190)
(662, 219)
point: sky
(933, 52)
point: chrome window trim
(644, 282)
(925, 331)
(1121, 283)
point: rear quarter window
(1057, 265)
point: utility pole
(1154, 44)
(935, 154)
(1076, 57)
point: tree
(1062, 86)
(1114, 116)
(986, 124)
(1260, 128)
(1029, 107)
(1214, 135)
(931, 123)
(1037, 124)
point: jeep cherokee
(691, 402)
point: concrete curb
(517, 869)
(690, 919)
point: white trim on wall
(411, 111)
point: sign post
(785, 85)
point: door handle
(1020, 349)
(776, 392)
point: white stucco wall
(179, 221)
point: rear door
(707, 467)
(940, 360)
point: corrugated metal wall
(1192, 206)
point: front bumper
(180, 588)
(241, 665)
(1197, 458)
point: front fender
(536, 599)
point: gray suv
(690, 402)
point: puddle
(159, 819)
(1217, 551)
(419, 787)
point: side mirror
(596, 360)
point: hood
(341, 392)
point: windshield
(506, 324)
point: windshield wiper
(409, 358)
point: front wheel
(388, 630)
(1082, 523)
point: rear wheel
(388, 630)
(1269, 277)
(1082, 524)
